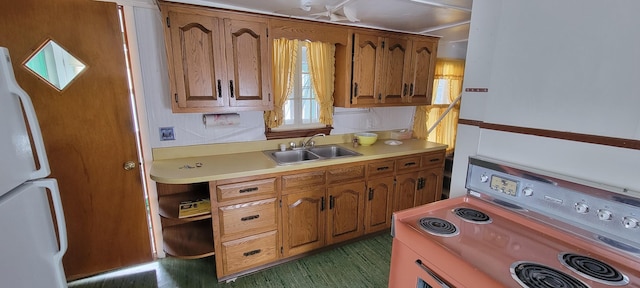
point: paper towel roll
(212, 120)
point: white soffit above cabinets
(448, 19)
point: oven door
(408, 269)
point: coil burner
(593, 269)
(438, 227)
(472, 215)
(533, 275)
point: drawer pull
(383, 168)
(250, 217)
(252, 252)
(434, 160)
(443, 284)
(248, 190)
(409, 164)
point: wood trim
(296, 133)
(578, 137)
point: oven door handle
(433, 275)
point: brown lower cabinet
(262, 220)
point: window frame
(298, 129)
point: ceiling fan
(338, 12)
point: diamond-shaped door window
(55, 65)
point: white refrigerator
(30, 250)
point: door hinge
(168, 22)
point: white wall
(189, 128)
(558, 65)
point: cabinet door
(303, 216)
(397, 55)
(197, 62)
(421, 69)
(367, 66)
(377, 215)
(346, 208)
(430, 185)
(248, 64)
(406, 185)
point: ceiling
(448, 19)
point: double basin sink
(305, 155)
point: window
(301, 110)
(298, 111)
(441, 94)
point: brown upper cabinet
(218, 61)
(390, 69)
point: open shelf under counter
(190, 240)
(168, 205)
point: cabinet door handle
(409, 164)
(231, 87)
(331, 201)
(380, 96)
(411, 90)
(355, 89)
(247, 218)
(370, 194)
(382, 168)
(248, 190)
(219, 89)
(252, 252)
(404, 90)
(322, 204)
(433, 275)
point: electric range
(520, 227)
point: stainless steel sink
(308, 155)
(333, 151)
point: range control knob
(604, 215)
(630, 222)
(527, 191)
(484, 178)
(581, 208)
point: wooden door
(406, 185)
(397, 54)
(430, 186)
(377, 215)
(248, 64)
(197, 65)
(303, 216)
(88, 129)
(421, 69)
(346, 208)
(367, 65)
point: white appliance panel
(30, 255)
(17, 165)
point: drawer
(344, 174)
(247, 218)
(250, 189)
(303, 180)
(244, 253)
(433, 160)
(381, 168)
(408, 163)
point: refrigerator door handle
(34, 126)
(52, 185)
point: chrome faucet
(310, 141)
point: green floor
(361, 264)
